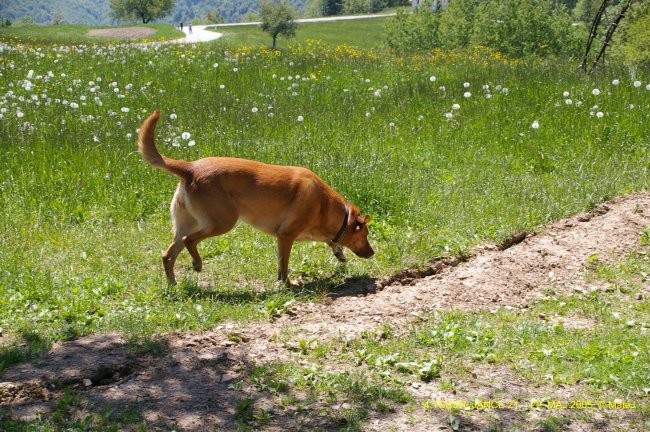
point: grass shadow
(27, 346)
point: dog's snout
(366, 252)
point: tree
(145, 10)
(278, 19)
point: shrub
(521, 28)
(417, 31)
(517, 28)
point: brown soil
(123, 32)
(192, 385)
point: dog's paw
(294, 283)
(197, 266)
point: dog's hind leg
(184, 224)
(219, 224)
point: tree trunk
(275, 36)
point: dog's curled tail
(149, 152)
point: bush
(632, 45)
(363, 6)
(417, 31)
(517, 28)
(522, 28)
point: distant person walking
(181, 25)
(189, 27)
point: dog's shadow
(333, 286)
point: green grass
(84, 220)
(366, 34)
(78, 34)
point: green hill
(96, 12)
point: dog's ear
(361, 221)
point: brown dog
(291, 203)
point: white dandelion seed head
(301, 118)
(254, 110)
(222, 86)
(595, 92)
(615, 82)
(449, 116)
(467, 95)
(186, 135)
(566, 94)
(432, 78)
(173, 116)
(535, 125)
(568, 102)
(637, 84)
(192, 143)
(125, 109)
(466, 85)
(455, 106)
(599, 114)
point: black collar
(344, 225)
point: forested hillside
(96, 12)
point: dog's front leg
(338, 252)
(284, 250)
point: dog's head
(356, 235)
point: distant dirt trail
(190, 385)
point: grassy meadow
(78, 34)
(445, 151)
(359, 34)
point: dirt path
(191, 384)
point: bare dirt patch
(199, 380)
(123, 32)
